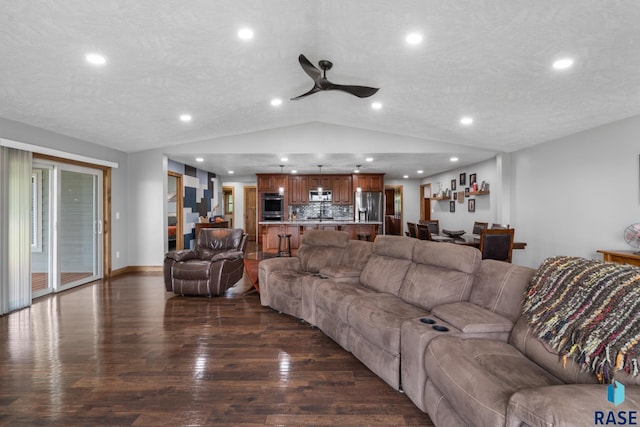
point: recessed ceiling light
(453, 159)
(294, 171)
(276, 101)
(95, 59)
(284, 159)
(369, 159)
(414, 38)
(199, 159)
(420, 171)
(245, 33)
(185, 118)
(376, 105)
(405, 176)
(466, 121)
(231, 172)
(563, 64)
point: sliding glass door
(70, 218)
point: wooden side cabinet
(621, 257)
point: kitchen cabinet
(342, 190)
(323, 181)
(368, 182)
(298, 190)
(270, 236)
(271, 183)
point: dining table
(468, 240)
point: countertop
(304, 222)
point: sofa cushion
(378, 318)
(448, 256)
(287, 282)
(482, 376)
(440, 273)
(388, 264)
(357, 254)
(544, 355)
(566, 405)
(321, 248)
(500, 286)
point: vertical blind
(15, 229)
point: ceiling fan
(321, 83)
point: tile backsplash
(317, 210)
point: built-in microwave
(320, 196)
(272, 207)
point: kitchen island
(269, 230)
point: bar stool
(364, 236)
(284, 244)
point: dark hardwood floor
(126, 353)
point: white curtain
(15, 229)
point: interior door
(250, 212)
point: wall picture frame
(466, 192)
(453, 184)
(463, 178)
(452, 206)
(471, 205)
(460, 196)
(472, 178)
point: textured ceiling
(490, 59)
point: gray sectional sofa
(436, 321)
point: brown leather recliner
(213, 266)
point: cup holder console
(429, 321)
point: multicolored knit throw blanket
(589, 311)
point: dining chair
(497, 244)
(411, 226)
(479, 226)
(499, 226)
(423, 232)
(434, 225)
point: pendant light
(281, 188)
(320, 179)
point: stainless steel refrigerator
(369, 206)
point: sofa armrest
(568, 404)
(227, 255)
(268, 266)
(182, 255)
(472, 319)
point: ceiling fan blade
(309, 68)
(312, 91)
(359, 91)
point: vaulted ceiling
(490, 60)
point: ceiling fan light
(245, 33)
(563, 64)
(414, 38)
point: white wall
(577, 194)
(486, 206)
(238, 195)
(410, 199)
(119, 176)
(147, 191)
